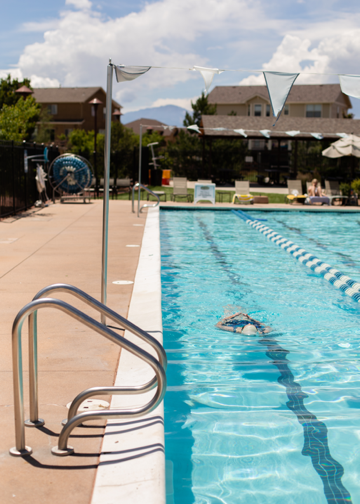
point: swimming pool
(264, 419)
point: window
(52, 135)
(267, 110)
(257, 110)
(249, 109)
(313, 110)
(286, 110)
(52, 109)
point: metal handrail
(146, 205)
(94, 303)
(21, 449)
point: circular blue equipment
(70, 173)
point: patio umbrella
(349, 146)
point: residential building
(169, 133)
(69, 108)
(304, 101)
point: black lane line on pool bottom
(316, 444)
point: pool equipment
(335, 277)
(70, 175)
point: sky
(69, 43)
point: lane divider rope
(338, 279)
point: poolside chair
(295, 192)
(242, 192)
(333, 192)
(122, 186)
(180, 189)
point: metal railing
(140, 186)
(34, 420)
(20, 448)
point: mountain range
(171, 115)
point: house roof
(68, 95)
(135, 126)
(302, 93)
(305, 125)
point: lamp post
(117, 115)
(95, 103)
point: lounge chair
(122, 186)
(333, 191)
(180, 189)
(242, 192)
(295, 191)
(311, 200)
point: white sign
(204, 192)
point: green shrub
(345, 188)
(355, 184)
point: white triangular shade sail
(292, 133)
(318, 136)
(349, 146)
(194, 127)
(342, 135)
(129, 73)
(265, 133)
(279, 85)
(241, 132)
(40, 179)
(208, 75)
(350, 85)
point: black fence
(18, 190)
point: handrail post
(139, 177)
(34, 420)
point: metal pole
(139, 181)
(105, 231)
(95, 165)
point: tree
(200, 107)
(8, 88)
(18, 121)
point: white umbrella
(349, 146)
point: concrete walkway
(61, 243)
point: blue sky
(68, 42)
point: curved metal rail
(34, 420)
(146, 205)
(21, 449)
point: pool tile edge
(132, 462)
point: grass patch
(273, 198)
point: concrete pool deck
(62, 243)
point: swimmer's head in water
(242, 323)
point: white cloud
(79, 4)
(37, 82)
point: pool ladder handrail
(62, 449)
(141, 186)
(34, 420)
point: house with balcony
(304, 101)
(69, 108)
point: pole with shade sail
(95, 103)
(140, 156)
(105, 230)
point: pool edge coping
(139, 476)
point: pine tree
(200, 107)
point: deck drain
(91, 405)
(133, 245)
(123, 282)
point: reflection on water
(234, 434)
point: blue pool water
(260, 419)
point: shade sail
(208, 75)
(279, 85)
(129, 73)
(350, 85)
(194, 127)
(241, 132)
(292, 132)
(265, 133)
(349, 146)
(318, 136)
